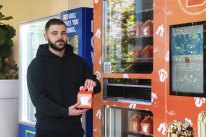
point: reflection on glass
(128, 36)
(188, 40)
(31, 36)
(122, 122)
(187, 59)
(73, 40)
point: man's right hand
(74, 111)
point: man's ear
(45, 36)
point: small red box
(85, 99)
(134, 123)
(147, 125)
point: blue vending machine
(80, 35)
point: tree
(8, 68)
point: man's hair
(54, 22)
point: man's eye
(54, 33)
(64, 33)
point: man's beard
(55, 47)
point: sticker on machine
(155, 100)
(98, 33)
(162, 128)
(199, 101)
(193, 3)
(96, 1)
(98, 114)
(190, 6)
(162, 75)
(107, 67)
(98, 75)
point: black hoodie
(53, 84)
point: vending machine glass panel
(127, 36)
(123, 122)
(187, 59)
(73, 41)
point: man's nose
(59, 36)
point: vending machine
(31, 36)
(150, 58)
(79, 24)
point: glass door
(123, 122)
(31, 36)
(127, 36)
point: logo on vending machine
(193, 3)
(98, 114)
(199, 101)
(162, 128)
(193, 7)
(162, 75)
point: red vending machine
(150, 58)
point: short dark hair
(54, 21)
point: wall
(80, 3)
(27, 10)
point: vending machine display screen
(127, 36)
(187, 60)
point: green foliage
(7, 66)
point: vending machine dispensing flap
(127, 90)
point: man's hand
(74, 111)
(89, 84)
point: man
(54, 78)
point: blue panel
(88, 35)
(26, 130)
